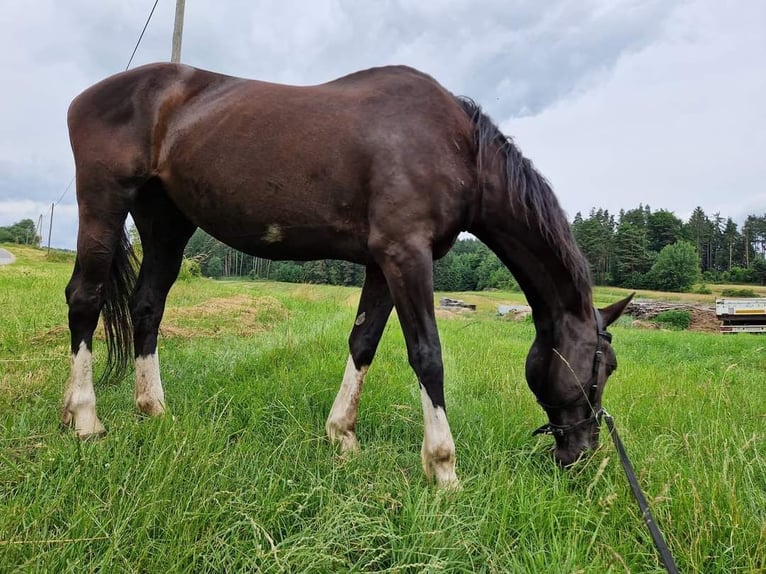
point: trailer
(741, 315)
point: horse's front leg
(409, 271)
(374, 308)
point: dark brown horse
(382, 167)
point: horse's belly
(284, 227)
(283, 241)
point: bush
(677, 268)
(703, 290)
(675, 319)
(287, 271)
(741, 275)
(58, 256)
(189, 268)
(713, 276)
(741, 292)
(214, 266)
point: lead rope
(601, 414)
(643, 505)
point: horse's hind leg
(375, 306)
(102, 263)
(409, 272)
(164, 233)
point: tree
(215, 266)
(595, 237)
(699, 231)
(754, 231)
(758, 269)
(632, 259)
(636, 217)
(732, 249)
(23, 232)
(662, 228)
(446, 277)
(677, 268)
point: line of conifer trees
(637, 248)
(627, 250)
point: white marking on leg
(79, 408)
(341, 423)
(149, 396)
(438, 452)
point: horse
(383, 167)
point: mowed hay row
(236, 315)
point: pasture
(239, 476)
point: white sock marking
(79, 408)
(438, 452)
(341, 422)
(149, 396)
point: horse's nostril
(565, 458)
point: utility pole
(178, 30)
(50, 229)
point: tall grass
(239, 477)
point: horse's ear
(611, 313)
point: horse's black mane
(530, 194)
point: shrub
(189, 268)
(741, 275)
(675, 319)
(703, 290)
(712, 276)
(739, 292)
(677, 268)
(214, 266)
(57, 256)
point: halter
(596, 417)
(562, 430)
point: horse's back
(243, 158)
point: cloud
(519, 56)
(583, 81)
(676, 125)
(64, 220)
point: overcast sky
(617, 102)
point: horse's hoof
(91, 436)
(150, 408)
(451, 485)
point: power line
(142, 34)
(68, 187)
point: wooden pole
(50, 228)
(178, 30)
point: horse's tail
(118, 325)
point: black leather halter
(595, 416)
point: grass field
(239, 477)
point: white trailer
(742, 315)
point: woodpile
(645, 310)
(447, 304)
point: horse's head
(567, 369)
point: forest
(23, 232)
(637, 248)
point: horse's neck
(548, 283)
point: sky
(617, 102)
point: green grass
(239, 477)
